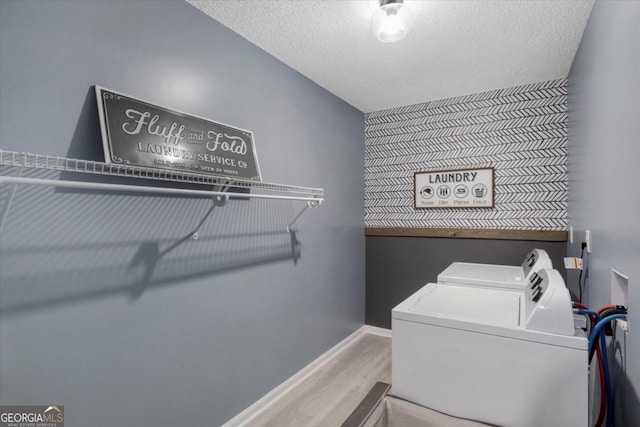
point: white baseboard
(374, 330)
(249, 414)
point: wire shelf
(63, 164)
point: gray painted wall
(219, 322)
(399, 266)
(604, 148)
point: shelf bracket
(217, 200)
(153, 249)
(293, 233)
(313, 204)
(7, 205)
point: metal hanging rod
(43, 161)
(145, 189)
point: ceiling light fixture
(392, 21)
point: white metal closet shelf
(20, 160)
(220, 185)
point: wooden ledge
(468, 233)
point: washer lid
(495, 276)
(469, 304)
(478, 309)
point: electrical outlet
(587, 239)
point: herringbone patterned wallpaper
(520, 131)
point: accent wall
(520, 131)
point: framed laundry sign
(459, 189)
(137, 132)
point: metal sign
(459, 189)
(140, 133)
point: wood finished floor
(328, 396)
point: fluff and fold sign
(139, 133)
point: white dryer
(499, 356)
(500, 276)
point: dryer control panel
(548, 304)
(535, 260)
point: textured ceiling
(455, 47)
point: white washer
(500, 276)
(500, 356)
